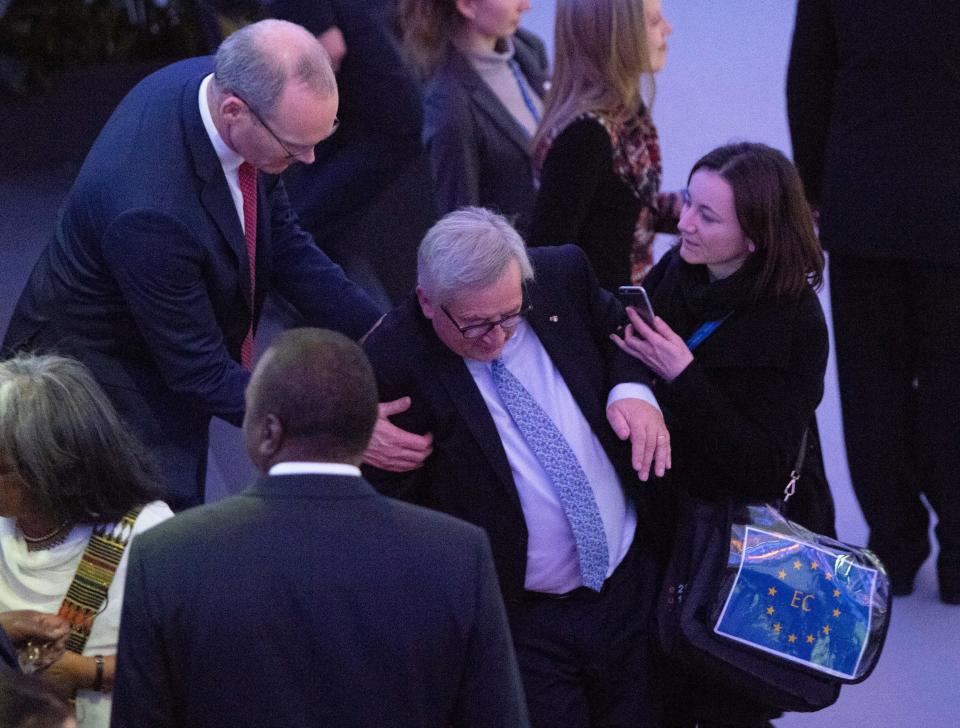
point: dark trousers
(588, 659)
(897, 326)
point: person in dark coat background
(367, 199)
(873, 96)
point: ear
(467, 9)
(231, 107)
(270, 438)
(750, 246)
(425, 305)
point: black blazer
(311, 600)
(873, 98)
(468, 474)
(479, 154)
(380, 112)
(147, 279)
(8, 652)
(737, 413)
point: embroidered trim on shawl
(98, 565)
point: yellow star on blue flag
(826, 599)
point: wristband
(98, 678)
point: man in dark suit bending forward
(175, 231)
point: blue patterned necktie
(558, 459)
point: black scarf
(685, 297)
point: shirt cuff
(632, 390)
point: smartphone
(637, 297)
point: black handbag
(768, 609)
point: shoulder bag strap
(98, 565)
(797, 468)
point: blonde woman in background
(597, 149)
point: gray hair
(468, 248)
(61, 437)
(257, 61)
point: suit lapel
(452, 373)
(553, 322)
(214, 192)
(488, 103)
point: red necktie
(248, 188)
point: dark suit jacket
(147, 278)
(468, 474)
(479, 154)
(737, 413)
(380, 113)
(8, 652)
(311, 600)
(873, 96)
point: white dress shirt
(311, 468)
(229, 159)
(552, 561)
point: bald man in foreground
(310, 599)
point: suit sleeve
(571, 175)
(491, 694)
(752, 444)
(143, 693)
(159, 268)
(309, 280)
(811, 75)
(606, 315)
(394, 380)
(314, 15)
(450, 140)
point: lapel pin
(554, 318)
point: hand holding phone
(637, 297)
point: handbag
(769, 609)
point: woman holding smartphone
(485, 82)
(597, 149)
(739, 350)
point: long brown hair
(600, 61)
(773, 213)
(426, 29)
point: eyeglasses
(475, 331)
(288, 148)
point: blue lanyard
(521, 82)
(698, 336)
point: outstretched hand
(649, 439)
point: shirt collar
(229, 159)
(313, 468)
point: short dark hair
(321, 387)
(27, 701)
(60, 435)
(773, 212)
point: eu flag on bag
(804, 603)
